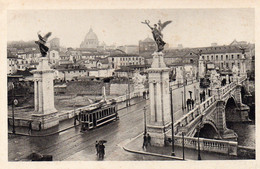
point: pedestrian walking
(30, 128)
(97, 147)
(148, 139)
(75, 120)
(145, 142)
(101, 151)
(40, 126)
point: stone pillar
(224, 132)
(243, 109)
(45, 111)
(159, 122)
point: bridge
(212, 114)
(223, 105)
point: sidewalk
(63, 125)
(135, 146)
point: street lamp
(14, 103)
(173, 153)
(145, 130)
(198, 128)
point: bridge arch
(231, 110)
(209, 130)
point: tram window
(90, 117)
(100, 114)
(87, 118)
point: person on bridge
(101, 151)
(97, 147)
(145, 141)
(148, 139)
(30, 128)
(40, 126)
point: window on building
(216, 57)
(238, 65)
(207, 57)
(226, 65)
(221, 57)
(226, 57)
(211, 57)
(238, 56)
(232, 56)
(202, 57)
(222, 65)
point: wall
(120, 89)
(87, 87)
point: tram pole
(145, 129)
(173, 153)
(13, 108)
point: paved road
(75, 145)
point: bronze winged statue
(157, 33)
(41, 42)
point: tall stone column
(45, 111)
(159, 123)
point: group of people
(100, 148)
(147, 141)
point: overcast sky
(190, 27)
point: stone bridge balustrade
(211, 145)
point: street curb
(148, 153)
(153, 154)
(45, 135)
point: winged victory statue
(157, 33)
(42, 43)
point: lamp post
(199, 157)
(145, 130)
(173, 153)
(14, 103)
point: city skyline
(123, 27)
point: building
(55, 44)
(11, 63)
(101, 73)
(54, 57)
(224, 58)
(90, 41)
(116, 61)
(147, 45)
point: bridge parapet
(211, 145)
(190, 119)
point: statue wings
(163, 25)
(44, 38)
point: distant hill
(21, 44)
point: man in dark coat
(145, 141)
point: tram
(98, 114)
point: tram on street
(97, 115)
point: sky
(189, 27)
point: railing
(211, 145)
(193, 115)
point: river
(245, 132)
